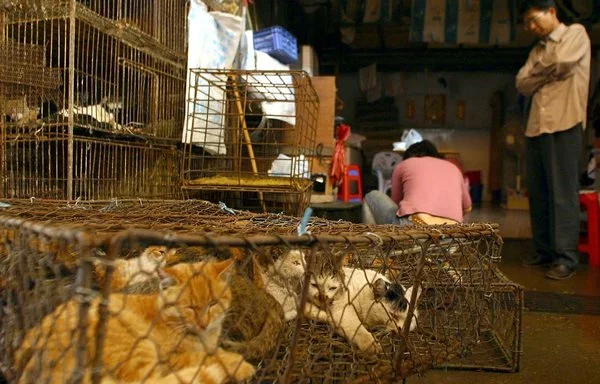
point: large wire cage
(101, 72)
(34, 164)
(68, 269)
(251, 132)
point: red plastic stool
(351, 185)
(590, 243)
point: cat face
(396, 301)
(154, 257)
(195, 297)
(323, 289)
(291, 264)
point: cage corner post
(72, 9)
(3, 157)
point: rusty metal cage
(468, 314)
(34, 164)
(92, 69)
(252, 132)
(109, 64)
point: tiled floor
(514, 224)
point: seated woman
(425, 190)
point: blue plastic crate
(278, 43)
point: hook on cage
(376, 236)
(225, 208)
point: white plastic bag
(214, 38)
(411, 137)
(286, 166)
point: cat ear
(380, 287)
(408, 293)
(237, 253)
(223, 268)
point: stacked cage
(88, 83)
(435, 297)
(249, 136)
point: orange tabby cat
(171, 336)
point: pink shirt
(430, 185)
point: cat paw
(369, 345)
(291, 315)
(244, 372)
(376, 348)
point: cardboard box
(326, 90)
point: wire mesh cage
(240, 295)
(80, 77)
(250, 131)
(91, 62)
(34, 164)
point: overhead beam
(418, 59)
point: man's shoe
(560, 272)
(536, 261)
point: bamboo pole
(246, 134)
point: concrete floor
(557, 347)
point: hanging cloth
(338, 161)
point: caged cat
(167, 337)
(283, 280)
(128, 272)
(255, 320)
(354, 300)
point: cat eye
(296, 262)
(313, 285)
(332, 288)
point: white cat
(283, 280)
(97, 112)
(357, 302)
(129, 272)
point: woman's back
(430, 185)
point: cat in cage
(283, 280)
(167, 337)
(354, 300)
(255, 319)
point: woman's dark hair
(422, 149)
(542, 5)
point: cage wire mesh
(250, 133)
(99, 71)
(410, 298)
(33, 164)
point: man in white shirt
(556, 77)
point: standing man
(556, 77)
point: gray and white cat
(354, 300)
(283, 280)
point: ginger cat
(168, 337)
(255, 319)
